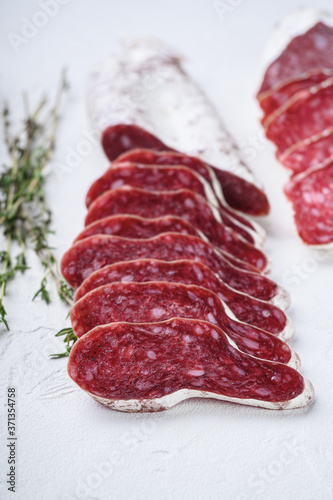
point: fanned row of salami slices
(172, 299)
(296, 97)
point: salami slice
(309, 153)
(281, 96)
(183, 203)
(129, 226)
(305, 115)
(150, 157)
(161, 178)
(174, 114)
(153, 366)
(311, 194)
(189, 272)
(310, 51)
(93, 253)
(158, 301)
(152, 178)
(133, 226)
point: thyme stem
(24, 215)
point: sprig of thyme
(25, 219)
(69, 339)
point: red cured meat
(93, 253)
(132, 226)
(299, 85)
(311, 194)
(242, 195)
(120, 138)
(183, 203)
(160, 178)
(306, 53)
(165, 158)
(247, 309)
(309, 153)
(159, 301)
(150, 177)
(129, 226)
(307, 115)
(238, 193)
(150, 367)
(281, 96)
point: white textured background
(68, 446)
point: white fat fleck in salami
(152, 367)
(146, 85)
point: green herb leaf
(69, 338)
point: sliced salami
(306, 114)
(174, 114)
(309, 153)
(189, 272)
(146, 156)
(159, 178)
(152, 178)
(133, 226)
(299, 84)
(281, 96)
(239, 192)
(153, 366)
(183, 203)
(129, 226)
(309, 52)
(311, 194)
(93, 253)
(158, 301)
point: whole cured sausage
(189, 272)
(183, 203)
(174, 114)
(158, 301)
(153, 366)
(93, 253)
